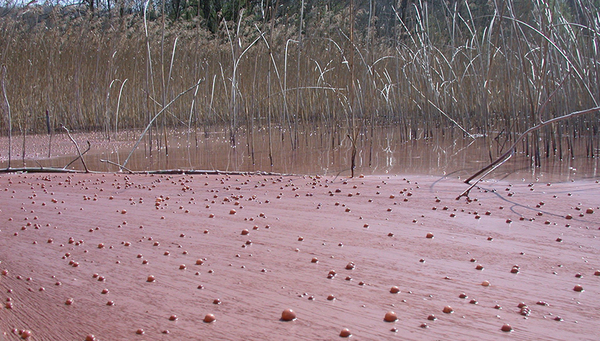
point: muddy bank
(116, 256)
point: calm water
(318, 152)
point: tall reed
(487, 72)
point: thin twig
(9, 116)
(118, 165)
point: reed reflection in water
(321, 152)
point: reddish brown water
(317, 153)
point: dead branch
(159, 172)
(78, 150)
(511, 151)
(41, 169)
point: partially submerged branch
(160, 171)
(511, 151)
(121, 167)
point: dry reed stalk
(8, 115)
(154, 119)
(50, 133)
(118, 106)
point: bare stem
(9, 116)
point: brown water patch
(315, 154)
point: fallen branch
(40, 170)
(76, 147)
(164, 171)
(511, 151)
(121, 167)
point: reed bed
(455, 69)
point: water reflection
(318, 152)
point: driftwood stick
(510, 152)
(209, 172)
(118, 165)
(40, 169)
(164, 171)
(468, 190)
(78, 150)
